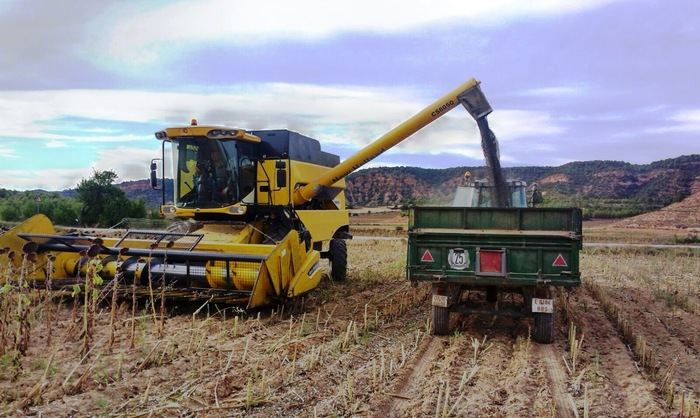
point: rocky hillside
(683, 214)
(648, 186)
(141, 189)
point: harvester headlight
(161, 135)
(168, 209)
(215, 132)
(237, 210)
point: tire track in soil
(557, 377)
(521, 377)
(503, 384)
(406, 385)
(621, 389)
(484, 394)
(510, 380)
(428, 386)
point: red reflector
(491, 261)
(427, 257)
(559, 262)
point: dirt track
(360, 348)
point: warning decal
(559, 261)
(427, 257)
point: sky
(84, 85)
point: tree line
(98, 203)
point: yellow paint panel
(261, 290)
(323, 223)
(267, 178)
(302, 173)
(37, 224)
(303, 282)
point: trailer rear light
(491, 262)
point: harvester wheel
(339, 259)
(441, 320)
(544, 328)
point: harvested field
(627, 345)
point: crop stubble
(361, 348)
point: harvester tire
(441, 320)
(544, 328)
(338, 259)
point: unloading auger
(266, 206)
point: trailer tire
(338, 259)
(544, 328)
(441, 320)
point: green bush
(99, 203)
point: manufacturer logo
(458, 258)
(313, 269)
(442, 108)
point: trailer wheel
(441, 320)
(544, 328)
(338, 259)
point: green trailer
(468, 250)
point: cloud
(127, 162)
(350, 116)
(44, 178)
(682, 121)
(555, 91)
(141, 37)
(44, 41)
(6, 152)
(56, 144)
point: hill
(603, 188)
(683, 214)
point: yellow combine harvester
(264, 208)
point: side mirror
(281, 168)
(154, 175)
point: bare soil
(681, 215)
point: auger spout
(468, 94)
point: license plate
(542, 305)
(440, 300)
